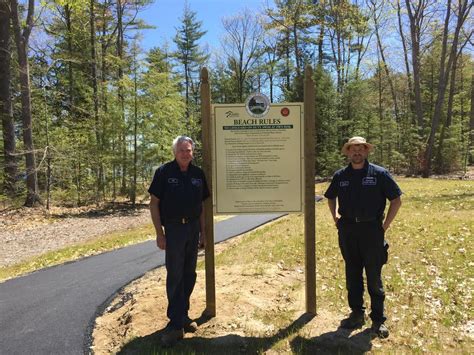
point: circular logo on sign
(285, 111)
(257, 105)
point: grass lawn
(428, 279)
(430, 273)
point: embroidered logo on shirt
(344, 183)
(196, 182)
(369, 181)
(173, 181)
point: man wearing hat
(361, 190)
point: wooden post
(309, 212)
(208, 209)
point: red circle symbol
(285, 111)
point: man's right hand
(161, 241)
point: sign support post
(309, 212)
(208, 208)
(309, 195)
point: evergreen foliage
(104, 111)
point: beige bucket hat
(354, 141)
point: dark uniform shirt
(362, 193)
(180, 193)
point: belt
(360, 219)
(180, 220)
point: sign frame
(272, 201)
(309, 200)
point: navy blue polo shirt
(181, 193)
(362, 193)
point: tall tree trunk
(287, 60)
(104, 43)
(299, 80)
(384, 63)
(452, 90)
(444, 72)
(432, 86)
(121, 96)
(380, 108)
(361, 49)
(95, 99)
(186, 83)
(416, 17)
(448, 120)
(270, 78)
(339, 63)
(67, 16)
(6, 110)
(78, 179)
(133, 195)
(104, 99)
(347, 61)
(296, 50)
(21, 39)
(321, 43)
(407, 65)
(471, 123)
(48, 165)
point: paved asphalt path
(52, 311)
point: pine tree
(6, 110)
(22, 35)
(190, 57)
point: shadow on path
(335, 342)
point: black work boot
(380, 330)
(190, 326)
(354, 321)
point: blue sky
(165, 15)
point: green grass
(429, 276)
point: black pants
(363, 247)
(181, 257)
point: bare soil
(29, 232)
(136, 317)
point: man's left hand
(202, 240)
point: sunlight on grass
(428, 279)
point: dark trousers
(181, 257)
(363, 247)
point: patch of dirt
(248, 307)
(29, 232)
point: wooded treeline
(87, 114)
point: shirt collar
(176, 165)
(365, 168)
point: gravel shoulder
(26, 232)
